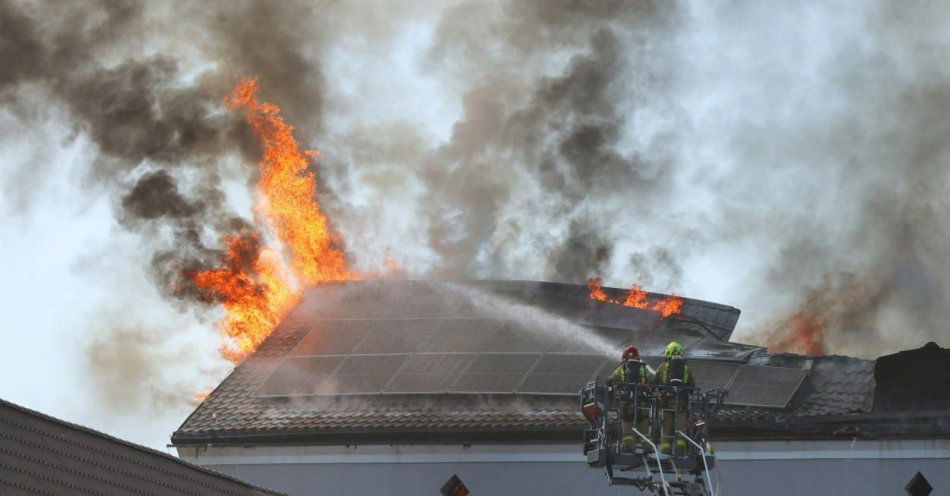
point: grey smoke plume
(143, 83)
(531, 317)
(133, 368)
(517, 187)
(162, 134)
(787, 160)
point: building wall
(753, 468)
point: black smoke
(523, 184)
(153, 125)
(144, 84)
(779, 159)
(787, 160)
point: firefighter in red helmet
(631, 371)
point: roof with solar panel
(413, 360)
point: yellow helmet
(674, 349)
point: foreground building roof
(503, 361)
(43, 455)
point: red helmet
(631, 352)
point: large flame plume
(261, 281)
(287, 191)
(636, 297)
(804, 334)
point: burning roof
(420, 349)
(259, 281)
(403, 359)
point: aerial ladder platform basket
(685, 469)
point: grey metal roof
(401, 359)
(43, 455)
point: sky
(787, 160)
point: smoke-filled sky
(790, 160)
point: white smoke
(531, 318)
(777, 158)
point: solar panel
(396, 336)
(461, 335)
(363, 374)
(764, 386)
(333, 337)
(561, 374)
(712, 375)
(365, 301)
(429, 373)
(516, 337)
(418, 301)
(495, 373)
(299, 376)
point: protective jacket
(620, 375)
(675, 372)
(672, 372)
(628, 415)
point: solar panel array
(410, 338)
(481, 356)
(432, 355)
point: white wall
(760, 467)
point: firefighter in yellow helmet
(674, 372)
(631, 371)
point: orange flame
(597, 292)
(254, 290)
(637, 298)
(669, 306)
(260, 284)
(805, 335)
(288, 193)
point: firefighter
(631, 371)
(674, 372)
